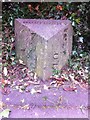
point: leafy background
(78, 13)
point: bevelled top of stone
(46, 28)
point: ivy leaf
(5, 113)
(77, 20)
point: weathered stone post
(43, 45)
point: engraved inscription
(55, 60)
(32, 58)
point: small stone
(7, 99)
(26, 84)
(20, 90)
(33, 91)
(36, 114)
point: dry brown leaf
(5, 71)
(25, 107)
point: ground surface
(47, 101)
(26, 96)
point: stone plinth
(43, 45)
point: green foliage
(78, 13)
(56, 72)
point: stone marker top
(46, 28)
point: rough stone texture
(71, 105)
(43, 44)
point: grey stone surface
(58, 104)
(43, 44)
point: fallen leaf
(44, 106)
(7, 99)
(2, 104)
(54, 94)
(70, 88)
(30, 7)
(17, 87)
(38, 91)
(20, 61)
(21, 80)
(73, 79)
(37, 8)
(5, 71)
(53, 82)
(32, 74)
(20, 90)
(36, 114)
(82, 109)
(24, 69)
(46, 87)
(83, 85)
(35, 77)
(57, 107)
(5, 91)
(22, 87)
(33, 82)
(59, 83)
(4, 81)
(26, 107)
(12, 58)
(33, 91)
(22, 100)
(5, 113)
(26, 84)
(57, 79)
(59, 7)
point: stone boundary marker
(43, 44)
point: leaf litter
(20, 78)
